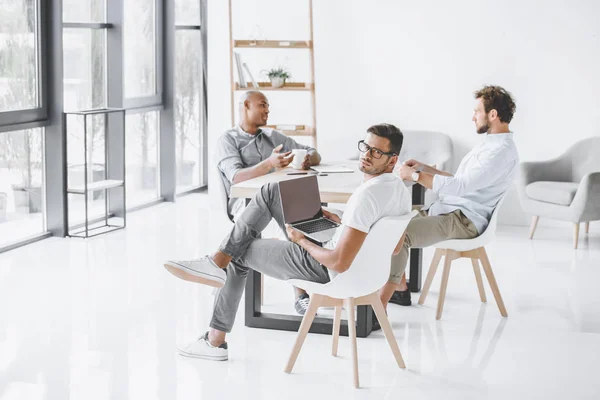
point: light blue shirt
(483, 177)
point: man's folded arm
(340, 258)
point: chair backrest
(370, 270)
(584, 158)
(428, 147)
(490, 231)
(219, 180)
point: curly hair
(391, 133)
(499, 99)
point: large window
(84, 69)
(143, 99)
(140, 48)
(141, 157)
(114, 55)
(84, 10)
(21, 101)
(21, 185)
(19, 67)
(188, 94)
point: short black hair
(391, 133)
(499, 99)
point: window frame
(36, 117)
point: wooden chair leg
(479, 280)
(575, 235)
(307, 321)
(337, 320)
(487, 268)
(534, 222)
(262, 289)
(587, 227)
(431, 274)
(387, 329)
(349, 305)
(443, 286)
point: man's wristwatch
(415, 176)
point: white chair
(465, 248)
(359, 285)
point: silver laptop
(301, 205)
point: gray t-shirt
(237, 149)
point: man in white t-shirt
(382, 194)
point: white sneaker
(203, 271)
(202, 348)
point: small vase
(277, 82)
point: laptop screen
(300, 199)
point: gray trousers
(280, 259)
(424, 231)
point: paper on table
(331, 169)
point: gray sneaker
(203, 271)
(301, 304)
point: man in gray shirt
(248, 151)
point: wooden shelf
(98, 185)
(301, 130)
(273, 44)
(236, 70)
(297, 86)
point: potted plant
(278, 75)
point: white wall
(416, 64)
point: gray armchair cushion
(561, 193)
(578, 166)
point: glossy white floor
(100, 319)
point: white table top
(333, 188)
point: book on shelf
(238, 64)
(254, 84)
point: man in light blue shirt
(468, 198)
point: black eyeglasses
(375, 152)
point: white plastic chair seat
(464, 244)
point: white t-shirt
(385, 195)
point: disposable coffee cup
(299, 155)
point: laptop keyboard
(316, 226)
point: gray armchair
(566, 188)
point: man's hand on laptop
(280, 160)
(293, 234)
(331, 216)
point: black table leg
(416, 255)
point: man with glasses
(468, 198)
(382, 194)
(248, 151)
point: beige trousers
(424, 231)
